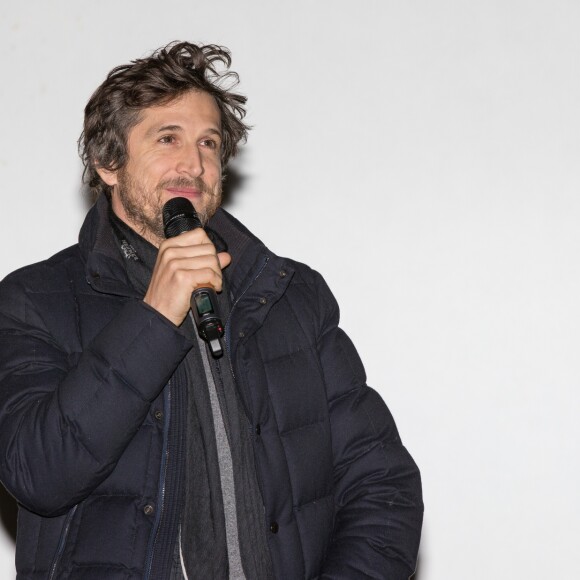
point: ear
(109, 177)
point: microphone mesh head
(179, 216)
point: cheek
(155, 171)
(213, 168)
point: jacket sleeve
(66, 418)
(378, 501)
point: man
(134, 452)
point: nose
(190, 162)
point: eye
(167, 139)
(209, 143)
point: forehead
(194, 109)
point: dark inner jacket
(91, 430)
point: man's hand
(185, 263)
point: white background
(421, 154)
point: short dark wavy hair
(114, 108)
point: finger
(190, 238)
(224, 259)
(183, 252)
(195, 272)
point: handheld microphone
(179, 216)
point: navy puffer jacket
(92, 423)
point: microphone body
(179, 216)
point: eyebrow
(154, 131)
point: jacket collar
(105, 271)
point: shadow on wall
(234, 182)
(417, 575)
(8, 513)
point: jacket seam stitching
(306, 426)
(289, 354)
(76, 304)
(344, 395)
(116, 373)
(366, 451)
(326, 497)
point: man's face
(174, 151)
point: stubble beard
(143, 208)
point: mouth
(190, 192)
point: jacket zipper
(162, 481)
(62, 541)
